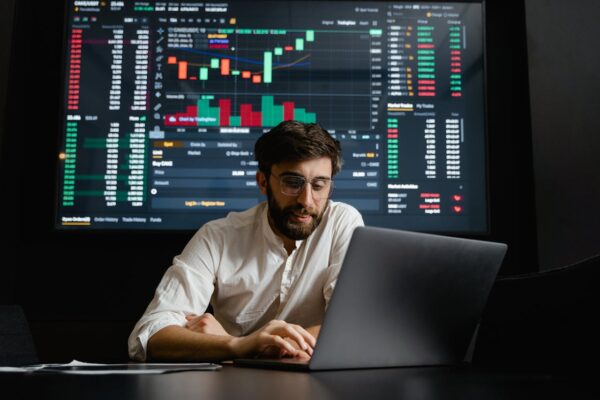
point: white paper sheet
(83, 368)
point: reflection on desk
(245, 383)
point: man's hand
(277, 352)
(205, 323)
(277, 338)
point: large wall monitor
(163, 102)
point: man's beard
(281, 218)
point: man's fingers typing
(276, 339)
(281, 343)
(295, 333)
(308, 337)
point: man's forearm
(176, 343)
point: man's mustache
(299, 210)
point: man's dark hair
(293, 141)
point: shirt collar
(267, 232)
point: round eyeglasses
(293, 185)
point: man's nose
(306, 196)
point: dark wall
(83, 293)
(513, 218)
(564, 59)
(6, 23)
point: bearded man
(268, 273)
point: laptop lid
(406, 299)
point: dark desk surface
(234, 383)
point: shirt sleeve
(185, 288)
(349, 219)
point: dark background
(83, 293)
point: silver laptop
(402, 299)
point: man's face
(297, 216)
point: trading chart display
(163, 102)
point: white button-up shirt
(239, 266)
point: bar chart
(270, 114)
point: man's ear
(261, 180)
